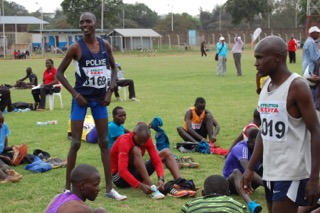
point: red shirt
(292, 45)
(48, 77)
(120, 158)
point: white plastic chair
(51, 97)
(120, 76)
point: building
(134, 39)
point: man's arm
(305, 105)
(73, 52)
(188, 119)
(24, 78)
(257, 178)
(248, 175)
(114, 71)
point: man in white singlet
(289, 140)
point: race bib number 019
(96, 77)
(274, 121)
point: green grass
(167, 85)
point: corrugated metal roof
(137, 32)
(65, 31)
(21, 20)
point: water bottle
(39, 123)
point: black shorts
(121, 183)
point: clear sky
(161, 7)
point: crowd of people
(278, 150)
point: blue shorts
(78, 112)
(279, 190)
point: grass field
(166, 84)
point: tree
(14, 9)
(284, 13)
(246, 10)
(139, 15)
(181, 23)
(76, 7)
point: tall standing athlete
(91, 56)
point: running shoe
(156, 194)
(178, 193)
(254, 207)
(115, 195)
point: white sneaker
(134, 99)
(119, 99)
(156, 194)
(115, 195)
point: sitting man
(121, 82)
(12, 155)
(199, 124)
(216, 198)
(85, 180)
(254, 124)
(235, 165)
(5, 100)
(33, 80)
(115, 127)
(128, 167)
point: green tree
(139, 15)
(284, 13)
(14, 9)
(205, 19)
(181, 23)
(76, 7)
(247, 10)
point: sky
(161, 7)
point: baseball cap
(221, 38)
(314, 29)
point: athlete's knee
(75, 144)
(103, 144)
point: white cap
(221, 38)
(314, 29)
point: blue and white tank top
(91, 72)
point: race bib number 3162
(274, 121)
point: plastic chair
(120, 76)
(51, 97)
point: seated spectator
(49, 79)
(235, 165)
(123, 83)
(254, 124)
(115, 127)
(216, 198)
(12, 155)
(128, 167)
(33, 80)
(7, 174)
(5, 99)
(85, 180)
(199, 124)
